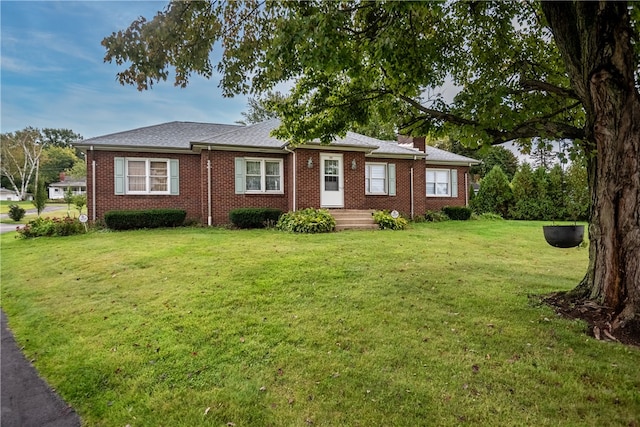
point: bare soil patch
(598, 318)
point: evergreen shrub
(16, 213)
(150, 218)
(254, 217)
(459, 213)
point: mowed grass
(437, 325)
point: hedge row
(151, 218)
(460, 213)
(254, 217)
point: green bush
(495, 194)
(49, 227)
(16, 213)
(435, 216)
(459, 213)
(386, 222)
(254, 217)
(151, 218)
(308, 220)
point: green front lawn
(437, 325)
(4, 205)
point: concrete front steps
(350, 219)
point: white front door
(331, 181)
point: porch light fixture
(353, 164)
(310, 163)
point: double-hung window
(259, 175)
(147, 176)
(137, 175)
(380, 179)
(442, 182)
(376, 178)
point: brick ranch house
(210, 169)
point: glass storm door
(331, 181)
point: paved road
(5, 228)
(27, 401)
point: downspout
(209, 218)
(293, 193)
(93, 185)
(411, 190)
(466, 188)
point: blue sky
(53, 74)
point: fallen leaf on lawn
(206, 411)
(263, 388)
(241, 339)
(475, 368)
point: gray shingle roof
(172, 135)
(437, 155)
(183, 135)
(257, 136)
(392, 147)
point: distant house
(57, 190)
(210, 169)
(8, 195)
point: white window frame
(367, 179)
(436, 182)
(147, 161)
(263, 175)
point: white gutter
(209, 219)
(293, 193)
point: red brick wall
(437, 203)
(194, 186)
(106, 199)
(223, 197)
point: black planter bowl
(563, 236)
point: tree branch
(532, 84)
(529, 129)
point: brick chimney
(62, 177)
(418, 142)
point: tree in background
(261, 109)
(490, 156)
(21, 152)
(31, 154)
(62, 138)
(553, 70)
(40, 197)
(78, 170)
(56, 159)
(525, 195)
(495, 194)
(577, 196)
(556, 192)
(543, 155)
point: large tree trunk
(594, 39)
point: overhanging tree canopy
(556, 70)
